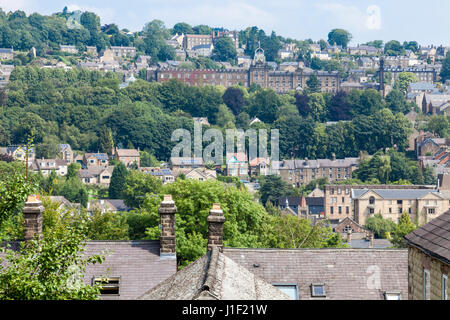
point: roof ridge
(213, 282)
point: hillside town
(88, 117)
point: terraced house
(302, 172)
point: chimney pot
(349, 236)
(167, 211)
(216, 220)
(32, 212)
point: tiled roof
(433, 237)
(99, 156)
(214, 276)
(319, 163)
(396, 193)
(128, 153)
(348, 274)
(363, 243)
(186, 161)
(137, 263)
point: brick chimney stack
(216, 220)
(167, 212)
(349, 236)
(371, 240)
(32, 213)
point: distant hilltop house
(96, 159)
(128, 157)
(237, 164)
(204, 121)
(302, 172)
(108, 205)
(123, 52)
(66, 153)
(6, 53)
(46, 166)
(68, 49)
(192, 40)
(20, 153)
(99, 175)
(165, 175)
(436, 104)
(186, 163)
(92, 51)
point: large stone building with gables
(259, 73)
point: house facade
(99, 175)
(95, 159)
(46, 166)
(429, 260)
(128, 157)
(237, 164)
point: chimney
(333, 156)
(167, 211)
(349, 236)
(216, 220)
(371, 240)
(32, 213)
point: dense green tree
(264, 105)
(381, 227)
(138, 186)
(445, 71)
(118, 179)
(404, 80)
(339, 37)
(394, 48)
(234, 99)
(106, 142)
(396, 101)
(272, 188)
(401, 229)
(376, 43)
(438, 124)
(182, 28)
(50, 268)
(224, 50)
(313, 83)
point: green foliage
(445, 71)
(224, 50)
(404, 80)
(313, 83)
(394, 48)
(50, 268)
(438, 124)
(272, 188)
(118, 178)
(339, 37)
(106, 142)
(401, 229)
(381, 227)
(138, 186)
(14, 189)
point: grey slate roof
(433, 237)
(137, 263)
(363, 243)
(319, 163)
(396, 193)
(348, 274)
(217, 277)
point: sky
(404, 20)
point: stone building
(422, 205)
(6, 53)
(259, 72)
(429, 260)
(123, 52)
(128, 157)
(192, 40)
(338, 200)
(302, 172)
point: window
(343, 200)
(371, 200)
(347, 210)
(392, 296)
(109, 286)
(318, 290)
(371, 210)
(431, 210)
(426, 284)
(331, 210)
(399, 201)
(444, 287)
(290, 289)
(399, 210)
(340, 210)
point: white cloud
(352, 17)
(107, 15)
(13, 5)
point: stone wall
(418, 261)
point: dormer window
(318, 290)
(393, 295)
(290, 289)
(109, 286)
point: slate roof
(396, 193)
(433, 238)
(137, 263)
(214, 276)
(363, 243)
(186, 161)
(128, 153)
(319, 163)
(99, 156)
(348, 274)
